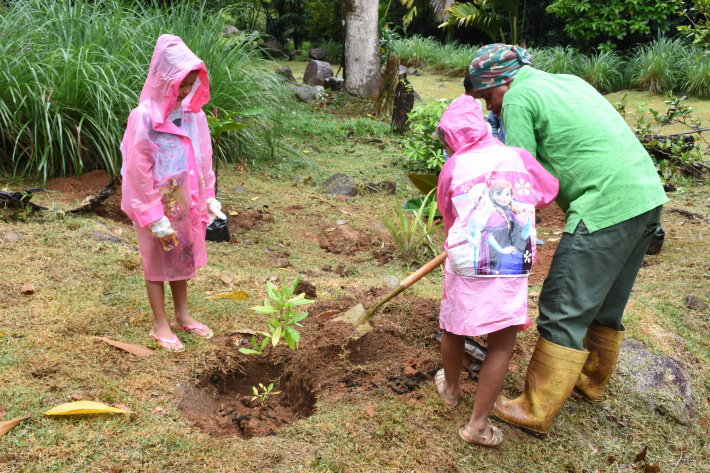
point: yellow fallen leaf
(285, 269)
(8, 425)
(330, 229)
(138, 350)
(306, 151)
(236, 295)
(233, 213)
(83, 407)
(254, 198)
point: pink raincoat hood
(172, 61)
(463, 124)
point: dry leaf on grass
(138, 350)
(8, 425)
(159, 411)
(83, 407)
(236, 295)
(641, 456)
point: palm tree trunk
(362, 47)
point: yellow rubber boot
(552, 373)
(603, 344)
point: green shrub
(421, 148)
(333, 50)
(415, 51)
(556, 60)
(71, 71)
(602, 71)
(696, 70)
(656, 67)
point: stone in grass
(317, 53)
(661, 382)
(287, 73)
(384, 187)
(101, 236)
(317, 72)
(340, 183)
(694, 303)
(12, 236)
(294, 54)
(307, 94)
(336, 84)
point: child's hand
(215, 208)
(161, 228)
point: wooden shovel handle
(423, 271)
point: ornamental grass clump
(71, 71)
(696, 73)
(602, 70)
(657, 66)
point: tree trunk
(403, 104)
(385, 98)
(362, 47)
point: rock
(307, 94)
(101, 236)
(391, 282)
(412, 72)
(294, 54)
(317, 72)
(335, 84)
(28, 289)
(660, 381)
(230, 30)
(340, 183)
(384, 187)
(12, 236)
(370, 411)
(275, 49)
(317, 53)
(325, 316)
(240, 189)
(442, 86)
(307, 287)
(402, 71)
(694, 303)
(287, 73)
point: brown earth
(553, 219)
(394, 358)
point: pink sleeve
(205, 139)
(443, 195)
(546, 186)
(141, 200)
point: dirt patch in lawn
(394, 358)
(553, 219)
(247, 219)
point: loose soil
(552, 219)
(397, 356)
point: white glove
(161, 228)
(215, 208)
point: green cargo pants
(591, 277)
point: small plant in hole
(264, 394)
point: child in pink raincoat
(487, 194)
(168, 183)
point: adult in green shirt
(613, 198)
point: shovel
(358, 316)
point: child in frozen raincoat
(487, 194)
(168, 183)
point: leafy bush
(326, 19)
(333, 50)
(656, 66)
(70, 72)
(423, 150)
(602, 71)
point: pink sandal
(171, 344)
(201, 330)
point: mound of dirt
(247, 219)
(393, 359)
(344, 239)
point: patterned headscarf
(497, 64)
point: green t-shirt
(606, 176)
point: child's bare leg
(179, 290)
(156, 297)
(491, 376)
(452, 347)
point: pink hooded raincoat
(167, 170)
(487, 194)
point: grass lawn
(88, 284)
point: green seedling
(264, 394)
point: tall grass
(602, 71)
(696, 69)
(656, 66)
(71, 71)
(333, 50)
(416, 51)
(556, 60)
